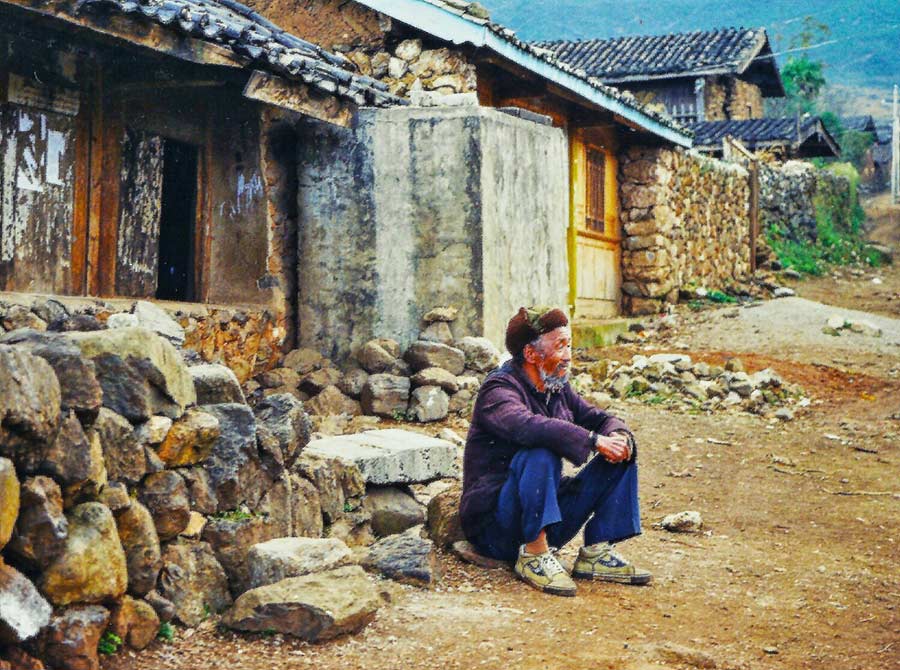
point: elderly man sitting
(515, 503)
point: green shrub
(166, 632)
(109, 643)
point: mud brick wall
(730, 98)
(686, 222)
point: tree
(804, 78)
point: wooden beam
(78, 280)
(95, 184)
(109, 197)
(300, 98)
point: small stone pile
(134, 486)
(674, 380)
(436, 376)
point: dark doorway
(178, 223)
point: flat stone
(682, 522)
(428, 403)
(407, 558)
(671, 653)
(314, 607)
(193, 581)
(447, 314)
(70, 640)
(231, 540)
(92, 567)
(285, 557)
(465, 551)
(216, 384)
(166, 496)
(140, 542)
(190, 440)
(783, 292)
(436, 377)
(152, 317)
(391, 456)
(385, 395)
(421, 355)
(41, 529)
(393, 511)
(23, 610)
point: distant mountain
(863, 49)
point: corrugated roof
(474, 13)
(264, 45)
(726, 50)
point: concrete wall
(422, 207)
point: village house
(782, 138)
(148, 151)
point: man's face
(553, 357)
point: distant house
(785, 138)
(711, 75)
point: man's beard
(555, 382)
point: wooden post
(895, 151)
(754, 211)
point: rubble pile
(137, 489)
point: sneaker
(601, 563)
(543, 572)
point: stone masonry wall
(686, 222)
(731, 98)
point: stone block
(285, 557)
(429, 403)
(391, 456)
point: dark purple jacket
(510, 414)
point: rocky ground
(796, 564)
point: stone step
(391, 456)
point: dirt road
(798, 565)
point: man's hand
(614, 448)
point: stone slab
(392, 456)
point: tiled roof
(727, 50)
(232, 25)
(860, 124)
(757, 133)
(478, 15)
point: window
(596, 195)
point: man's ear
(531, 354)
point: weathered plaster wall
(732, 98)
(421, 207)
(686, 219)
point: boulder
(318, 380)
(16, 658)
(166, 496)
(122, 320)
(19, 316)
(391, 456)
(439, 331)
(202, 496)
(140, 542)
(125, 391)
(164, 608)
(135, 622)
(29, 408)
(49, 310)
(41, 530)
(352, 382)
(481, 354)
(77, 323)
(195, 526)
(153, 431)
(436, 377)
(393, 511)
(406, 558)
(446, 314)
(353, 528)
(216, 384)
(277, 378)
(285, 557)
(23, 610)
(314, 607)
(92, 567)
(306, 508)
(443, 517)
(339, 483)
(171, 384)
(190, 440)
(385, 395)
(276, 506)
(284, 416)
(234, 466)
(231, 540)
(123, 455)
(115, 496)
(421, 355)
(303, 361)
(79, 389)
(378, 356)
(429, 403)
(193, 581)
(331, 402)
(9, 500)
(152, 317)
(69, 460)
(461, 402)
(90, 486)
(70, 641)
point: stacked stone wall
(731, 98)
(686, 221)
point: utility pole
(895, 151)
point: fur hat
(531, 322)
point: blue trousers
(536, 496)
